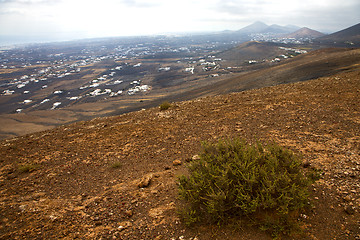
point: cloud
(128, 17)
(139, 3)
(236, 7)
(11, 11)
(29, 2)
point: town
(56, 75)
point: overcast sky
(72, 19)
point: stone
(306, 164)
(177, 162)
(347, 198)
(124, 225)
(349, 209)
(195, 157)
(128, 213)
(145, 181)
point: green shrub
(28, 168)
(165, 106)
(116, 165)
(233, 179)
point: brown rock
(128, 213)
(124, 225)
(145, 181)
(349, 209)
(177, 162)
(306, 164)
(347, 198)
(195, 157)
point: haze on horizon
(57, 20)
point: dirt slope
(76, 191)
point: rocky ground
(115, 177)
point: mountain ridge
(347, 36)
(305, 32)
(260, 27)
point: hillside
(81, 180)
(305, 33)
(350, 35)
(251, 51)
(319, 63)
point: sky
(46, 20)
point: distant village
(62, 66)
(122, 70)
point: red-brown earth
(81, 180)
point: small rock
(22, 207)
(177, 162)
(145, 181)
(97, 223)
(195, 157)
(124, 225)
(347, 198)
(349, 209)
(306, 164)
(128, 213)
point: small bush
(116, 165)
(165, 106)
(233, 179)
(27, 168)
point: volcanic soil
(82, 180)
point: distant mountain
(349, 35)
(260, 27)
(277, 29)
(256, 27)
(305, 33)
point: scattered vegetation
(25, 168)
(164, 106)
(235, 180)
(116, 165)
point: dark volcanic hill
(348, 36)
(319, 63)
(305, 33)
(251, 50)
